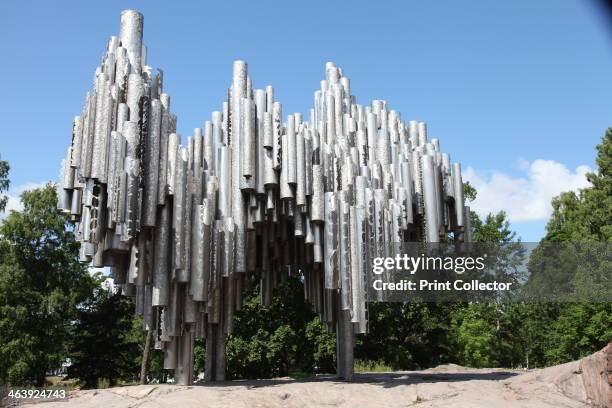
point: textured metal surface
(182, 226)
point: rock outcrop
(588, 380)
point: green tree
(581, 222)
(579, 330)
(156, 372)
(274, 340)
(586, 216)
(494, 228)
(469, 192)
(103, 344)
(408, 336)
(483, 334)
(41, 284)
(4, 183)
(476, 332)
(582, 328)
(527, 330)
(323, 345)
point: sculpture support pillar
(183, 374)
(220, 363)
(345, 342)
(215, 361)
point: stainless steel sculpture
(182, 225)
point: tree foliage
(476, 331)
(579, 329)
(273, 340)
(546, 333)
(481, 334)
(106, 341)
(406, 336)
(4, 183)
(586, 216)
(41, 285)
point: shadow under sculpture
(182, 222)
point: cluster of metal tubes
(184, 226)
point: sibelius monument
(184, 224)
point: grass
(103, 383)
(368, 366)
(298, 374)
(60, 383)
(53, 380)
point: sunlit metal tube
(429, 199)
(459, 200)
(160, 264)
(131, 37)
(248, 138)
(151, 166)
(162, 187)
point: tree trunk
(145, 358)
(40, 378)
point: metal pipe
(160, 265)
(131, 37)
(429, 199)
(151, 166)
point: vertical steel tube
(160, 264)
(151, 166)
(131, 37)
(429, 199)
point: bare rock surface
(588, 380)
(582, 383)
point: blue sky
(518, 92)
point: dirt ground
(443, 386)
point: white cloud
(14, 201)
(524, 198)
